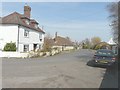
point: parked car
(104, 57)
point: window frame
(36, 25)
(40, 37)
(26, 49)
(26, 33)
(27, 22)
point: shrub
(85, 46)
(10, 47)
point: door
(34, 47)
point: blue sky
(77, 20)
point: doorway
(34, 47)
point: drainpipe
(18, 38)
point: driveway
(65, 70)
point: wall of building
(33, 38)
(8, 33)
(62, 48)
(68, 48)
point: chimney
(27, 11)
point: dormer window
(36, 26)
(34, 23)
(27, 22)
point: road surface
(65, 70)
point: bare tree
(48, 35)
(48, 42)
(113, 10)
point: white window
(36, 26)
(26, 33)
(27, 22)
(26, 48)
(40, 37)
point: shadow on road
(110, 78)
(91, 64)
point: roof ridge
(11, 14)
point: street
(65, 70)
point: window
(36, 26)
(26, 33)
(40, 37)
(26, 48)
(27, 22)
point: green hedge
(10, 47)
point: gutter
(18, 38)
(18, 34)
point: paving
(65, 70)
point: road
(65, 70)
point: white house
(22, 30)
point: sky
(77, 20)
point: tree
(48, 42)
(102, 45)
(95, 40)
(48, 35)
(86, 43)
(113, 10)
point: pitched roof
(58, 41)
(61, 41)
(16, 18)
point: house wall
(8, 33)
(68, 48)
(61, 48)
(33, 38)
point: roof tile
(16, 18)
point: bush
(85, 46)
(10, 47)
(46, 50)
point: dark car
(104, 57)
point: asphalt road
(65, 70)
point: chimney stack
(27, 11)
